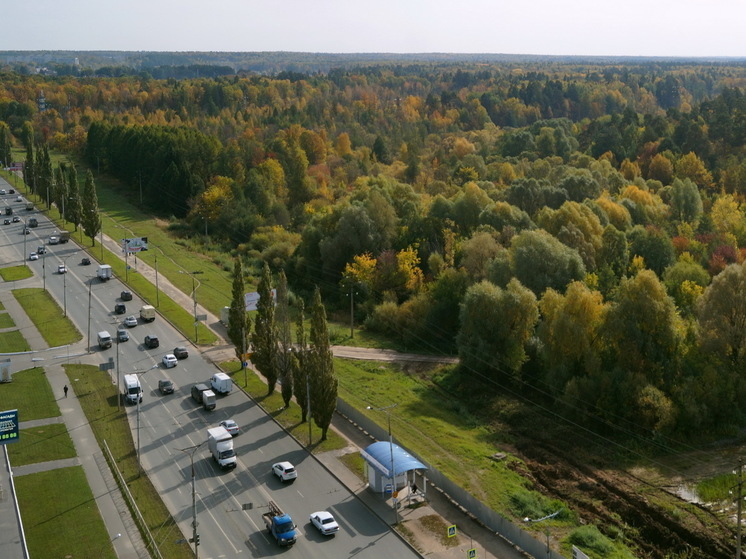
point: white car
(285, 471)
(130, 321)
(231, 426)
(19, 199)
(33, 256)
(61, 269)
(169, 360)
(325, 522)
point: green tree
(285, 350)
(6, 145)
(540, 261)
(73, 205)
(239, 321)
(686, 203)
(29, 171)
(264, 338)
(511, 313)
(722, 314)
(324, 382)
(681, 278)
(300, 363)
(90, 217)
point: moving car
(16, 219)
(61, 269)
(86, 261)
(54, 239)
(130, 321)
(18, 198)
(26, 231)
(6, 222)
(2, 191)
(165, 386)
(169, 360)
(122, 335)
(120, 308)
(151, 341)
(325, 522)
(230, 426)
(181, 352)
(33, 256)
(41, 249)
(125, 295)
(285, 471)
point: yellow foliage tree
(217, 195)
(726, 214)
(361, 270)
(692, 167)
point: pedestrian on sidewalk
(65, 389)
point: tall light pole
(139, 397)
(387, 409)
(64, 280)
(194, 300)
(195, 537)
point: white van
(221, 383)
(132, 390)
(104, 339)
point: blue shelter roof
(379, 456)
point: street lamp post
(546, 531)
(387, 409)
(194, 300)
(139, 397)
(64, 280)
(195, 537)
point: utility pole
(157, 291)
(195, 537)
(352, 312)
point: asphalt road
(229, 504)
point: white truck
(221, 383)
(147, 313)
(104, 272)
(132, 390)
(225, 313)
(220, 442)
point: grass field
(41, 444)
(60, 517)
(42, 309)
(15, 273)
(13, 342)
(98, 397)
(6, 321)
(30, 394)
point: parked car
(86, 261)
(285, 471)
(230, 426)
(122, 335)
(169, 360)
(165, 386)
(61, 269)
(125, 295)
(324, 522)
(151, 342)
(130, 321)
(33, 256)
(181, 352)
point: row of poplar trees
(304, 369)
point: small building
(379, 458)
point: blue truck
(279, 525)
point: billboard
(136, 244)
(251, 299)
(9, 426)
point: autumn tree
(661, 169)
(538, 260)
(686, 203)
(264, 339)
(722, 314)
(90, 216)
(321, 368)
(693, 168)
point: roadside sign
(201, 317)
(471, 553)
(9, 426)
(451, 530)
(108, 366)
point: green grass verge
(60, 517)
(98, 398)
(16, 273)
(273, 404)
(2, 307)
(42, 444)
(12, 342)
(6, 321)
(45, 313)
(30, 394)
(355, 463)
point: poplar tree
(300, 363)
(73, 207)
(321, 368)
(239, 321)
(28, 167)
(264, 338)
(285, 351)
(90, 217)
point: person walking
(65, 390)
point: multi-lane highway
(229, 504)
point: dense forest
(572, 229)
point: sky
(684, 28)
